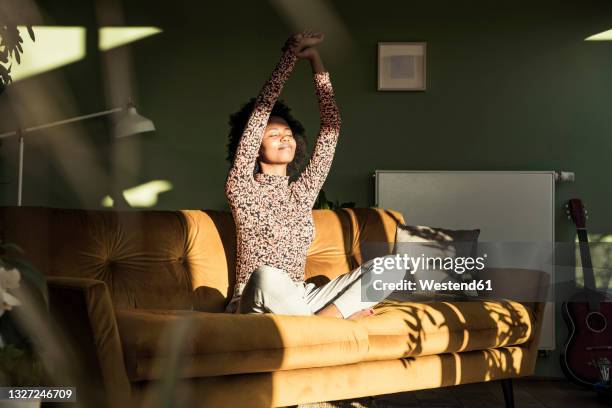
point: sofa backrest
(175, 259)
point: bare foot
(361, 313)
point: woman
(273, 216)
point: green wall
(511, 86)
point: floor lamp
(130, 123)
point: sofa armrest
(531, 288)
(83, 312)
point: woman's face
(278, 144)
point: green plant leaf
(323, 203)
(9, 246)
(20, 367)
(10, 352)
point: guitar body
(587, 355)
(589, 341)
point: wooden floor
(527, 394)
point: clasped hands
(303, 44)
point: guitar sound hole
(596, 322)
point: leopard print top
(273, 216)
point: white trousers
(271, 290)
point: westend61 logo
(405, 262)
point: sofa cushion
(438, 243)
(208, 344)
(407, 329)
(346, 238)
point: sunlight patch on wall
(57, 46)
(113, 37)
(143, 195)
(107, 202)
(603, 36)
(54, 47)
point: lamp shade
(132, 123)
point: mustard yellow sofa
(138, 298)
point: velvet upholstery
(409, 329)
(82, 310)
(283, 388)
(140, 293)
(219, 344)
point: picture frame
(402, 66)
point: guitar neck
(587, 268)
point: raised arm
(241, 173)
(312, 178)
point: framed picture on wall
(402, 66)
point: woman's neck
(273, 169)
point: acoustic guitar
(587, 354)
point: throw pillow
(440, 244)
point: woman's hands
(304, 44)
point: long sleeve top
(273, 217)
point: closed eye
(274, 134)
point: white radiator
(507, 206)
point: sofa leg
(508, 392)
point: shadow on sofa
(137, 297)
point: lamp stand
(20, 177)
(21, 132)
(131, 124)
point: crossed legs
(271, 290)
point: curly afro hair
(239, 119)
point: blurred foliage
(10, 50)
(20, 364)
(12, 256)
(322, 203)
(20, 367)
